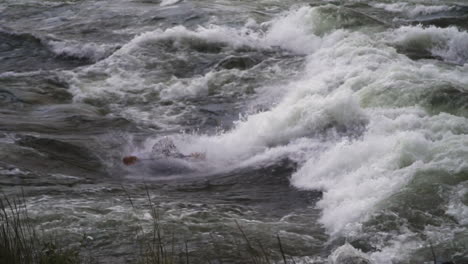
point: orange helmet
(129, 160)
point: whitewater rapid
(359, 118)
(372, 111)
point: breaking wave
(361, 119)
(450, 44)
(414, 10)
(85, 51)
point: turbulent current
(340, 127)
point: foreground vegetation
(22, 243)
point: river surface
(341, 127)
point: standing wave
(367, 124)
(361, 126)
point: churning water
(340, 126)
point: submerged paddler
(164, 148)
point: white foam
(181, 35)
(458, 207)
(413, 10)
(292, 119)
(291, 31)
(299, 37)
(169, 2)
(449, 43)
(90, 51)
(124, 70)
(398, 248)
(356, 173)
(11, 74)
(401, 247)
(295, 31)
(122, 76)
(198, 86)
(348, 254)
(12, 171)
(353, 119)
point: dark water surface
(339, 126)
